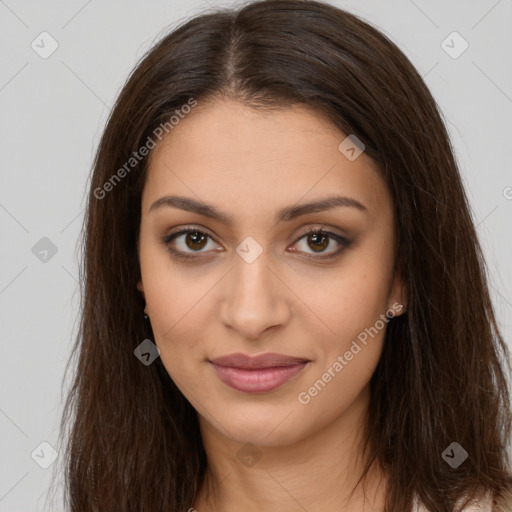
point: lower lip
(257, 381)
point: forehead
(256, 161)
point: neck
(317, 473)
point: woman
(285, 301)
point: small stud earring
(146, 317)
(391, 313)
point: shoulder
(484, 505)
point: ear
(140, 287)
(398, 295)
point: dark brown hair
(133, 442)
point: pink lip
(257, 374)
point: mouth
(258, 374)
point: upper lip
(268, 360)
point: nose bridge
(256, 299)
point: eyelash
(166, 240)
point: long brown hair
(133, 441)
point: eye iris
(197, 238)
(318, 247)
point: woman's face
(255, 282)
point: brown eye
(195, 240)
(187, 242)
(319, 241)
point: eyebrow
(286, 214)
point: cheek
(356, 321)
(171, 298)
(346, 360)
(172, 289)
(353, 297)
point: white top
(484, 505)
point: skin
(289, 300)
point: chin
(262, 426)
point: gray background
(53, 111)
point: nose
(256, 298)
